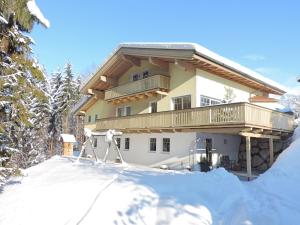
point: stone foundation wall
(260, 154)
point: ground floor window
(152, 144)
(90, 119)
(95, 143)
(206, 101)
(127, 143)
(118, 140)
(166, 144)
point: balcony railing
(225, 115)
(143, 85)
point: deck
(234, 115)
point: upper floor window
(153, 107)
(124, 111)
(145, 74)
(205, 101)
(135, 77)
(182, 102)
(138, 76)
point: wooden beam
(142, 96)
(94, 92)
(159, 63)
(186, 66)
(248, 157)
(247, 134)
(132, 60)
(271, 147)
(111, 81)
(162, 93)
(258, 130)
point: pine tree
(65, 94)
(23, 98)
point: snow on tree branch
(2, 20)
(35, 11)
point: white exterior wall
(224, 144)
(180, 144)
(210, 85)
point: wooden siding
(139, 86)
(225, 115)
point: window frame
(118, 140)
(150, 145)
(124, 111)
(182, 103)
(95, 142)
(150, 106)
(167, 144)
(209, 101)
(126, 141)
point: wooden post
(271, 147)
(248, 156)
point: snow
(35, 11)
(68, 138)
(3, 20)
(206, 53)
(201, 51)
(90, 193)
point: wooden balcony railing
(143, 85)
(242, 114)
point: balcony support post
(248, 157)
(271, 147)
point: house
(177, 101)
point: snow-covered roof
(204, 52)
(68, 138)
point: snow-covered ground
(60, 191)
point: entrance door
(208, 148)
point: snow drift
(89, 193)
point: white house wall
(180, 146)
(210, 85)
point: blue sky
(262, 35)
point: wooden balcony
(135, 89)
(235, 115)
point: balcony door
(208, 150)
(123, 111)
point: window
(127, 143)
(95, 143)
(118, 140)
(127, 111)
(124, 111)
(96, 117)
(90, 119)
(135, 77)
(182, 102)
(153, 107)
(205, 101)
(120, 111)
(152, 144)
(145, 74)
(166, 144)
